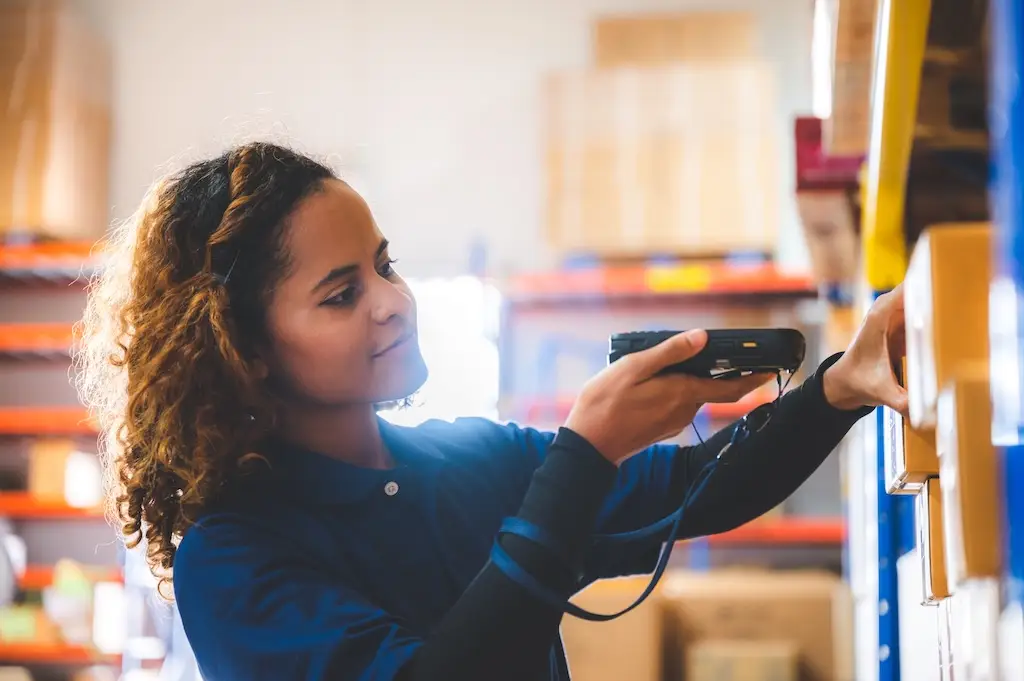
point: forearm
(763, 470)
(497, 629)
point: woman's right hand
(627, 407)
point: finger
(673, 350)
(893, 299)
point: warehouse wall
(432, 108)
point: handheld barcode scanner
(729, 353)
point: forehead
(331, 228)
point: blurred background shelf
(53, 654)
(36, 421)
(668, 283)
(785, 532)
(38, 577)
(22, 505)
(35, 340)
(58, 262)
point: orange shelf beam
(45, 421)
(658, 280)
(53, 653)
(36, 338)
(46, 255)
(785, 531)
(24, 505)
(38, 577)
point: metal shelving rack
(41, 299)
(912, 36)
(901, 39)
(1007, 325)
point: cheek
(324, 359)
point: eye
(387, 270)
(344, 297)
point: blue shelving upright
(1006, 123)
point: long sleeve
(754, 476)
(762, 471)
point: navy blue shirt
(332, 556)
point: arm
(252, 613)
(765, 469)
(755, 475)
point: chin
(403, 384)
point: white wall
(431, 105)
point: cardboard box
(738, 660)
(626, 648)
(826, 198)
(931, 542)
(55, 137)
(910, 458)
(847, 131)
(951, 105)
(59, 471)
(668, 161)
(812, 609)
(909, 453)
(946, 302)
(48, 468)
(827, 217)
(658, 39)
(970, 478)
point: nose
(389, 301)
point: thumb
(673, 350)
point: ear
(260, 368)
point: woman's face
(342, 323)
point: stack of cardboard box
(670, 147)
(55, 72)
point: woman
(235, 349)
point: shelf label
(678, 279)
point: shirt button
(391, 489)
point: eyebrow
(345, 270)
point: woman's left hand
(865, 376)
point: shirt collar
(321, 479)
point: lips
(397, 343)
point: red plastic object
(817, 170)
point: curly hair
(167, 350)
